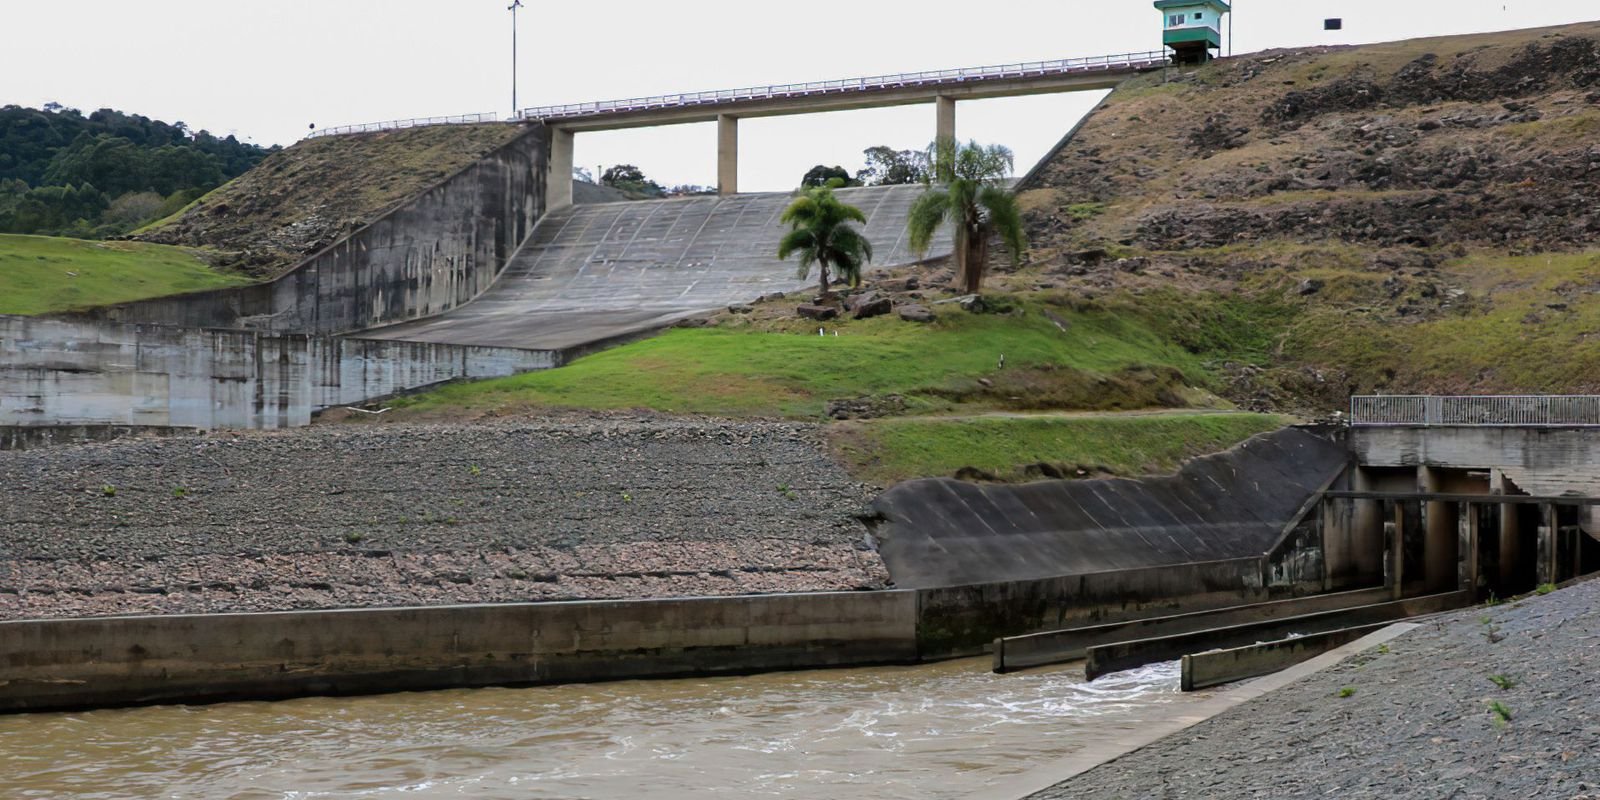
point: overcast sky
(264, 70)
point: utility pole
(515, 4)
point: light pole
(515, 4)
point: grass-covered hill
(1412, 216)
(44, 274)
(304, 198)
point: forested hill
(103, 174)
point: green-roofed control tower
(1193, 28)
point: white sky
(265, 69)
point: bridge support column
(558, 186)
(945, 128)
(1366, 539)
(727, 154)
(1441, 543)
(1549, 520)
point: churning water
(935, 731)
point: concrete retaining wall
(1217, 667)
(428, 255)
(1544, 449)
(965, 620)
(57, 372)
(115, 661)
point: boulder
(816, 312)
(916, 313)
(741, 308)
(870, 304)
(906, 284)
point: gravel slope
(1417, 725)
(390, 514)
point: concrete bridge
(1491, 494)
(726, 107)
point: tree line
(64, 173)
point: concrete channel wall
(430, 254)
(130, 660)
(57, 373)
(77, 663)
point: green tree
(821, 233)
(819, 175)
(890, 167)
(972, 194)
(631, 179)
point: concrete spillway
(941, 532)
(594, 272)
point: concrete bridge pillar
(1441, 548)
(945, 129)
(727, 154)
(558, 187)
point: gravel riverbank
(375, 515)
(1415, 719)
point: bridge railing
(396, 124)
(1145, 60)
(1492, 410)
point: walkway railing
(1496, 410)
(1030, 69)
(396, 124)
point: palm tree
(971, 193)
(820, 231)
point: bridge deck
(594, 272)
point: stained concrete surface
(594, 272)
(943, 532)
(1417, 721)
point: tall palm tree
(821, 233)
(971, 193)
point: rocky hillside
(302, 199)
(1412, 216)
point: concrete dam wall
(84, 372)
(432, 253)
(1230, 507)
(596, 272)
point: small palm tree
(820, 231)
(971, 193)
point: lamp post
(515, 4)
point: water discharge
(936, 731)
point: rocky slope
(1483, 704)
(584, 507)
(306, 197)
(1412, 216)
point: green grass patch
(1054, 357)
(887, 451)
(44, 274)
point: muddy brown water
(934, 731)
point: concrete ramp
(1231, 505)
(590, 273)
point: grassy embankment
(1055, 357)
(1030, 448)
(1060, 355)
(43, 274)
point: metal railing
(396, 124)
(1065, 66)
(1493, 410)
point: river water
(933, 731)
